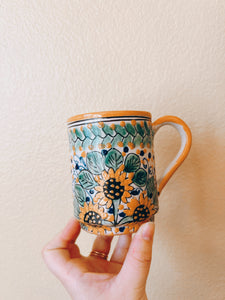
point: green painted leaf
(73, 136)
(114, 159)
(78, 144)
(140, 177)
(116, 204)
(152, 133)
(72, 145)
(127, 140)
(150, 186)
(116, 140)
(79, 194)
(121, 130)
(107, 223)
(147, 128)
(130, 128)
(79, 134)
(97, 131)
(96, 141)
(127, 219)
(107, 139)
(147, 140)
(87, 132)
(132, 163)
(87, 180)
(95, 162)
(137, 140)
(108, 130)
(140, 129)
(87, 142)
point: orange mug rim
(112, 113)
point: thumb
(137, 263)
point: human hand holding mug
(123, 276)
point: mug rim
(110, 113)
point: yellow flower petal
(129, 188)
(128, 212)
(95, 199)
(81, 215)
(109, 203)
(99, 188)
(141, 198)
(122, 177)
(99, 195)
(130, 175)
(95, 207)
(85, 206)
(133, 204)
(152, 210)
(119, 170)
(127, 182)
(146, 201)
(99, 180)
(105, 175)
(111, 218)
(111, 173)
(101, 210)
(120, 207)
(104, 216)
(126, 230)
(126, 194)
(124, 199)
(102, 202)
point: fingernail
(147, 231)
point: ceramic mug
(114, 181)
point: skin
(123, 276)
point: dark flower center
(93, 218)
(141, 213)
(113, 189)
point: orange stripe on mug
(186, 140)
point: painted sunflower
(140, 210)
(113, 186)
(93, 216)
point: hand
(94, 278)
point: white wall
(60, 58)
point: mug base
(114, 230)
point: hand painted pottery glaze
(114, 180)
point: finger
(74, 251)
(57, 252)
(102, 244)
(137, 262)
(121, 249)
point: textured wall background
(60, 58)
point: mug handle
(186, 139)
